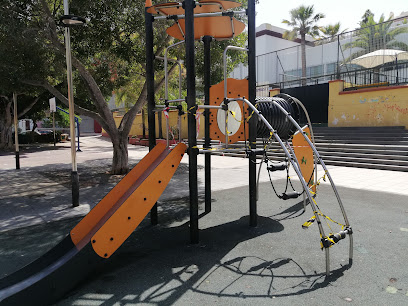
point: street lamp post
(70, 20)
(16, 131)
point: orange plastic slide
(118, 214)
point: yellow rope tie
(234, 116)
(191, 108)
(226, 126)
(256, 106)
(318, 182)
(269, 139)
(327, 238)
(327, 217)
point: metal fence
(337, 57)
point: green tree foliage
(375, 35)
(303, 21)
(330, 31)
(20, 57)
(108, 55)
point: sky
(348, 12)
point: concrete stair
(364, 147)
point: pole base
(75, 188)
(154, 218)
(17, 160)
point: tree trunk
(35, 125)
(6, 123)
(303, 51)
(6, 136)
(120, 154)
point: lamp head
(72, 20)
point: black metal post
(207, 83)
(150, 95)
(53, 127)
(338, 58)
(17, 160)
(78, 134)
(191, 105)
(15, 114)
(253, 121)
(143, 124)
(75, 188)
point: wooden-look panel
(129, 215)
(236, 89)
(221, 28)
(92, 219)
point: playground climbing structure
(233, 113)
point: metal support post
(74, 173)
(207, 143)
(150, 95)
(16, 131)
(338, 58)
(78, 134)
(53, 127)
(191, 105)
(253, 121)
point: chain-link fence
(370, 56)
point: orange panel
(218, 27)
(226, 5)
(91, 220)
(304, 155)
(125, 220)
(210, 6)
(236, 89)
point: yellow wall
(273, 92)
(382, 106)
(137, 127)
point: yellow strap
(308, 222)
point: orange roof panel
(220, 27)
(204, 6)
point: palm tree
(331, 30)
(375, 36)
(303, 22)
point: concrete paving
(276, 262)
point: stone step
(360, 129)
(377, 155)
(366, 165)
(374, 137)
(366, 147)
(366, 160)
(402, 133)
(363, 141)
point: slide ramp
(97, 236)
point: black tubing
(276, 118)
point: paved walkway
(276, 263)
(40, 191)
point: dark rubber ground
(276, 263)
